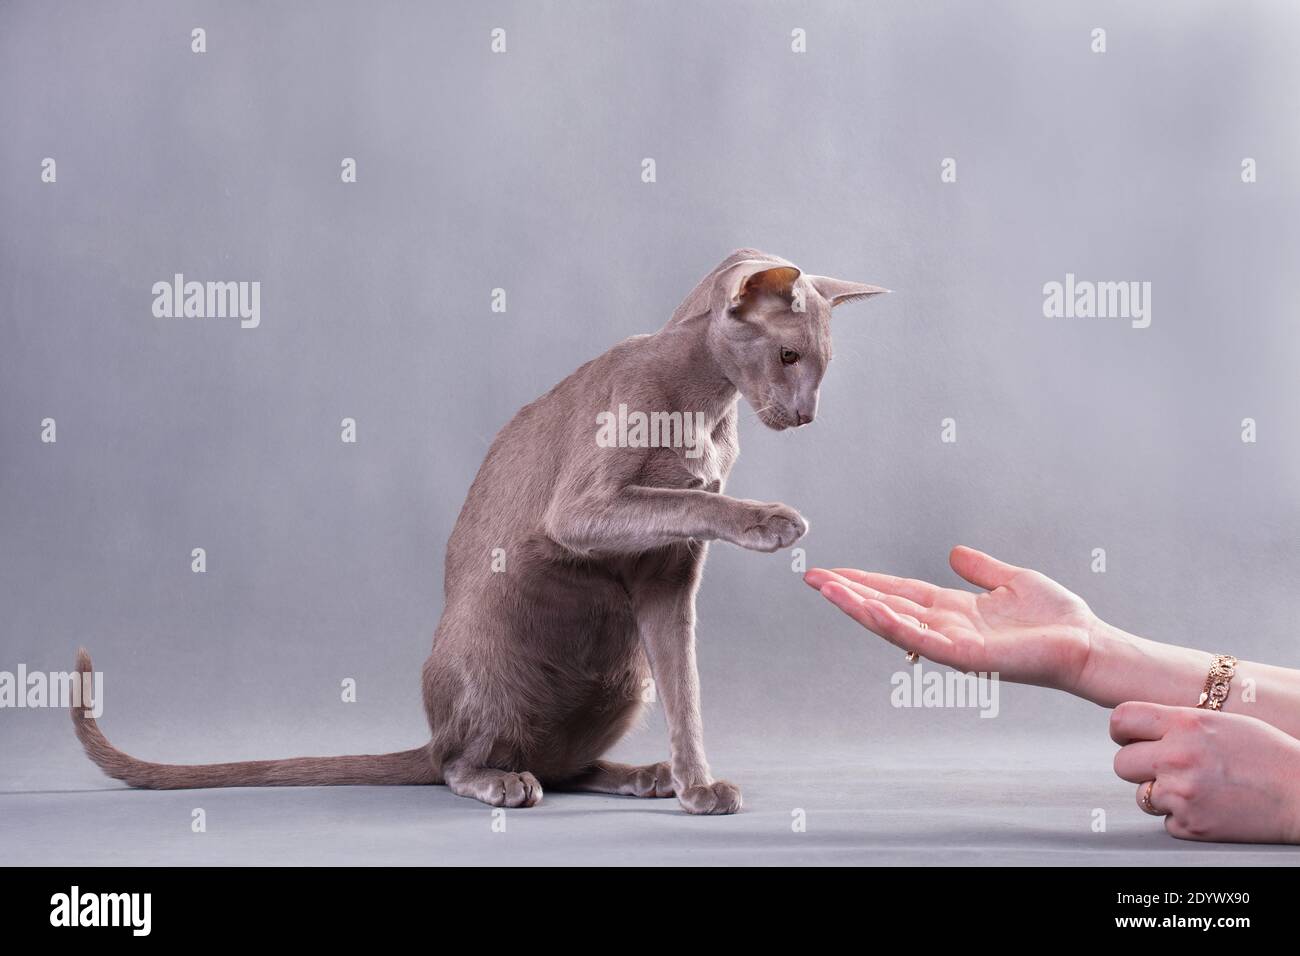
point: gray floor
(991, 810)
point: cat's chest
(706, 463)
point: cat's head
(770, 332)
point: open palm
(1024, 625)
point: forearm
(1123, 666)
(637, 519)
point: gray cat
(539, 667)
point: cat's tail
(405, 767)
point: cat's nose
(804, 406)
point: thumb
(980, 568)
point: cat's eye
(789, 356)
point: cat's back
(514, 485)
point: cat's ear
(837, 291)
(759, 278)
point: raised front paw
(717, 797)
(769, 526)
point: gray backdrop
(522, 171)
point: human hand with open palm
(1213, 775)
(1023, 624)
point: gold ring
(1145, 800)
(913, 656)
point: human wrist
(1121, 666)
(1106, 645)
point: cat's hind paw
(496, 788)
(656, 780)
(515, 790)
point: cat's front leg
(762, 525)
(666, 619)
(637, 519)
